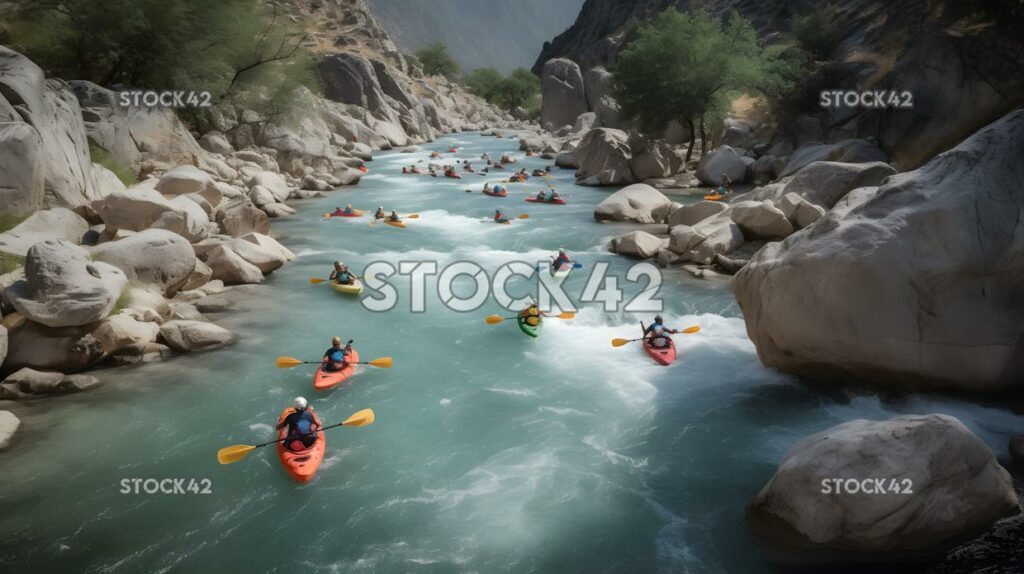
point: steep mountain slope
(500, 33)
(961, 59)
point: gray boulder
(724, 160)
(824, 183)
(120, 331)
(57, 223)
(63, 349)
(232, 269)
(603, 158)
(152, 256)
(8, 426)
(183, 180)
(142, 207)
(918, 286)
(562, 92)
(638, 244)
(63, 287)
(194, 335)
(849, 151)
(695, 213)
(653, 159)
(760, 220)
(241, 216)
(639, 203)
(939, 482)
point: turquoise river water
(492, 452)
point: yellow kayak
(354, 289)
(395, 223)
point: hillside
(504, 34)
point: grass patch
(122, 302)
(9, 221)
(10, 262)
(104, 158)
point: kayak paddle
(574, 266)
(235, 453)
(495, 319)
(520, 216)
(289, 362)
(621, 342)
(317, 280)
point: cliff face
(962, 60)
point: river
(492, 452)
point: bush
(436, 61)
(9, 221)
(10, 262)
(815, 32)
(103, 157)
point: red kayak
(355, 213)
(496, 193)
(662, 355)
(324, 380)
(453, 175)
(301, 465)
(558, 201)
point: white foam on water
(596, 443)
(512, 392)
(262, 428)
(445, 402)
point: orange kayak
(714, 197)
(324, 380)
(301, 465)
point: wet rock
(275, 210)
(194, 335)
(638, 244)
(32, 382)
(638, 203)
(213, 304)
(957, 487)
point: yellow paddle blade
(494, 319)
(412, 216)
(524, 216)
(691, 330)
(383, 362)
(361, 419)
(234, 453)
(316, 280)
(287, 362)
(567, 315)
(620, 342)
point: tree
(437, 61)
(816, 32)
(518, 89)
(688, 66)
(484, 82)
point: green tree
(518, 90)
(437, 61)
(240, 51)
(815, 32)
(688, 66)
(484, 82)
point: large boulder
(824, 183)
(231, 268)
(261, 251)
(562, 92)
(849, 151)
(273, 183)
(63, 287)
(215, 142)
(760, 220)
(152, 256)
(720, 236)
(724, 160)
(918, 286)
(241, 216)
(62, 349)
(8, 426)
(194, 335)
(120, 331)
(653, 159)
(603, 158)
(597, 84)
(183, 180)
(142, 207)
(22, 166)
(638, 203)
(695, 213)
(57, 223)
(636, 244)
(911, 483)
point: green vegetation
(688, 66)
(520, 89)
(9, 221)
(10, 262)
(815, 32)
(436, 61)
(240, 51)
(104, 158)
(123, 302)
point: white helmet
(300, 403)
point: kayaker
(657, 333)
(405, 171)
(554, 194)
(341, 275)
(541, 196)
(336, 356)
(302, 427)
(532, 315)
(348, 210)
(561, 259)
(337, 211)
(726, 186)
(487, 187)
(380, 213)
(499, 217)
(394, 216)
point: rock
(760, 220)
(639, 203)
(183, 180)
(8, 426)
(766, 168)
(684, 238)
(724, 160)
(273, 183)
(266, 243)
(957, 488)
(695, 213)
(597, 83)
(194, 335)
(730, 265)
(3, 344)
(603, 158)
(275, 210)
(721, 237)
(147, 302)
(563, 96)
(653, 159)
(183, 310)
(58, 223)
(808, 130)
(1017, 449)
(636, 244)
(215, 142)
(228, 267)
(566, 159)
(120, 331)
(142, 207)
(63, 287)
(239, 217)
(145, 353)
(806, 213)
(584, 123)
(64, 349)
(824, 183)
(213, 304)
(261, 196)
(153, 256)
(200, 275)
(917, 287)
(849, 151)
(737, 134)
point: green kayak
(527, 328)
